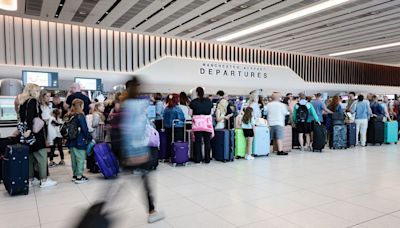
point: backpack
(70, 129)
(302, 114)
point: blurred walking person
(136, 153)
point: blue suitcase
(222, 145)
(180, 149)
(351, 135)
(391, 132)
(163, 153)
(261, 141)
(106, 160)
(16, 169)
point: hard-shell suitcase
(319, 138)
(16, 169)
(163, 153)
(391, 132)
(261, 141)
(287, 140)
(375, 132)
(240, 143)
(106, 160)
(351, 134)
(338, 137)
(180, 149)
(222, 145)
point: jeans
(201, 136)
(56, 143)
(40, 157)
(77, 161)
(361, 129)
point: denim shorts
(277, 132)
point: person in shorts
(276, 112)
(302, 121)
(248, 124)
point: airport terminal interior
(199, 113)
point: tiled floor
(344, 188)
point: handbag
(153, 136)
(38, 123)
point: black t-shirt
(85, 99)
(201, 107)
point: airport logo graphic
(233, 70)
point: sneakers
(249, 157)
(155, 217)
(282, 153)
(34, 182)
(52, 164)
(48, 183)
(80, 180)
(61, 162)
(73, 178)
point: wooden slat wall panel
(19, 41)
(27, 30)
(53, 44)
(30, 42)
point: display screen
(42, 79)
(89, 83)
(345, 98)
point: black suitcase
(319, 137)
(91, 164)
(16, 169)
(351, 135)
(295, 139)
(375, 132)
(338, 137)
(222, 145)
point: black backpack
(71, 129)
(302, 114)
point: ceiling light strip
(108, 11)
(289, 17)
(59, 8)
(366, 49)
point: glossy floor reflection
(342, 188)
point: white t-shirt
(185, 110)
(276, 112)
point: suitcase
(287, 140)
(351, 135)
(338, 137)
(240, 143)
(391, 132)
(91, 164)
(180, 149)
(16, 169)
(261, 141)
(319, 138)
(106, 160)
(163, 153)
(222, 145)
(375, 132)
(338, 118)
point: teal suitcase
(391, 132)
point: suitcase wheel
(174, 164)
(185, 164)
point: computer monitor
(42, 79)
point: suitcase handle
(173, 130)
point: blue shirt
(171, 114)
(319, 107)
(159, 110)
(134, 122)
(361, 109)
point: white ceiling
(356, 24)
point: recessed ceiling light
(61, 4)
(213, 20)
(243, 6)
(9, 5)
(366, 49)
(289, 17)
(189, 30)
(56, 15)
(107, 13)
(82, 12)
